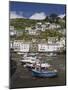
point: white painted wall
(24, 47)
(32, 32)
(20, 46)
(48, 47)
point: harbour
(23, 77)
(37, 45)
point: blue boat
(46, 73)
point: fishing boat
(46, 72)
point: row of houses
(47, 25)
(22, 46)
(19, 45)
(39, 27)
(49, 47)
(35, 30)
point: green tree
(53, 17)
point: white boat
(32, 53)
(28, 60)
(51, 54)
(32, 65)
(20, 53)
(44, 65)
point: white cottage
(24, 47)
(51, 25)
(12, 32)
(43, 27)
(21, 46)
(11, 44)
(19, 32)
(31, 30)
(52, 40)
(38, 26)
(62, 41)
(43, 47)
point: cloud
(14, 15)
(38, 16)
(61, 15)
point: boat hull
(43, 74)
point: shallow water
(22, 78)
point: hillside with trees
(21, 23)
